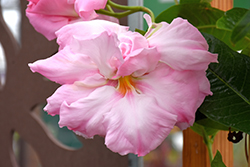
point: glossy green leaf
(229, 22)
(242, 28)
(217, 161)
(194, 1)
(201, 15)
(230, 84)
(205, 18)
(246, 51)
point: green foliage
(230, 80)
(217, 161)
(234, 22)
(242, 28)
(194, 1)
(212, 21)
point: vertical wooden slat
(194, 150)
(195, 153)
(222, 4)
(225, 147)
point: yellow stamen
(125, 84)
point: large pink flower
(48, 16)
(115, 83)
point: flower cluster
(129, 88)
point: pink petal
(107, 18)
(68, 94)
(85, 116)
(136, 124)
(182, 46)
(139, 62)
(65, 67)
(131, 41)
(178, 92)
(48, 16)
(86, 30)
(102, 50)
(86, 9)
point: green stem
(109, 8)
(128, 10)
(176, 2)
(209, 142)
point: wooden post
(195, 153)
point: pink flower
(115, 83)
(48, 16)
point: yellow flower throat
(125, 84)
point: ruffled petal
(86, 9)
(108, 18)
(102, 50)
(86, 115)
(178, 92)
(131, 41)
(68, 94)
(182, 46)
(48, 16)
(139, 62)
(86, 30)
(137, 124)
(65, 67)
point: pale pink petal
(65, 67)
(139, 62)
(131, 41)
(86, 9)
(47, 16)
(65, 93)
(52, 7)
(102, 50)
(137, 124)
(86, 115)
(148, 20)
(50, 24)
(86, 30)
(178, 92)
(182, 46)
(108, 18)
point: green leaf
(242, 28)
(217, 161)
(205, 18)
(194, 1)
(201, 15)
(199, 129)
(229, 22)
(246, 51)
(230, 84)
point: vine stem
(209, 143)
(127, 10)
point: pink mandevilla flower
(124, 86)
(48, 16)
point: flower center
(125, 84)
